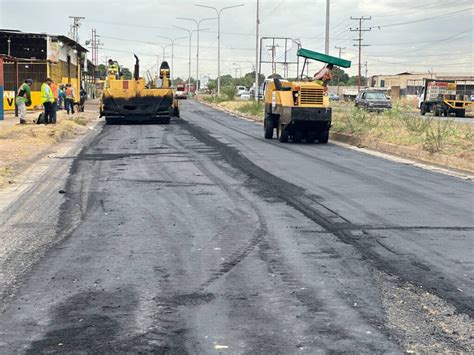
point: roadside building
(38, 56)
(409, 84)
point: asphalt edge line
(387, 155)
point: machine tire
(324, 136)
(110, 121)
(284, 135)
(176, 111)
(460, 113)
(297, 136)
(268, 127)
(310, 137)
(437, 112)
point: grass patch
(252, 108)
(402, 127)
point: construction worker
(61, 97)
(69, 98)
(47, 100)
(23, 99)
(324, 76)
(113, 68)
(54, 89)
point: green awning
(306, 53)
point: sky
(403, 36)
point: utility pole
(340, 50)
(94, 44)
(326, 47)
(256, 51)
(75, 27)
(360, 45)
(218, 13)
(366, 74)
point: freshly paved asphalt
(203, 237)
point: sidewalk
(22, 145)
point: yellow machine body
(135, 100)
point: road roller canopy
(308, 54)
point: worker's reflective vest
(69, 93)
(46, 93)
(113, 69)
(54, 89)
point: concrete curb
(438, 159)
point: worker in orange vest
(54, 89)
(69, 99)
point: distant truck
(183, 89)
(441, 98)
(180, 92)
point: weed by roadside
(229, 92)
(252, 108)
(403, 127)
(436, 135)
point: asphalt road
(202, 237)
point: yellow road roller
(299, 110)
(135, 100)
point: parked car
(373, 101)
(245, 95)
(260, 92)
(333, 97)
(241, 90)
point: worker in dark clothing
(23, 99)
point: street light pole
(190, 33)
(256, 51)
(218, 12)
(326, 47)
(172, 40)
(164, 50)
(198, 27)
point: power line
(359, 44)
(425, 18)
(75, 27)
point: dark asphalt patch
(270, 186)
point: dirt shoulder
(23, 145)
(400, 132)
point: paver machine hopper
(136, 100)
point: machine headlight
(371, 104)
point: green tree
(212, 85)
(227, 80)
(353, 81)
(127, 74)
(339, 77)
(101, 71)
